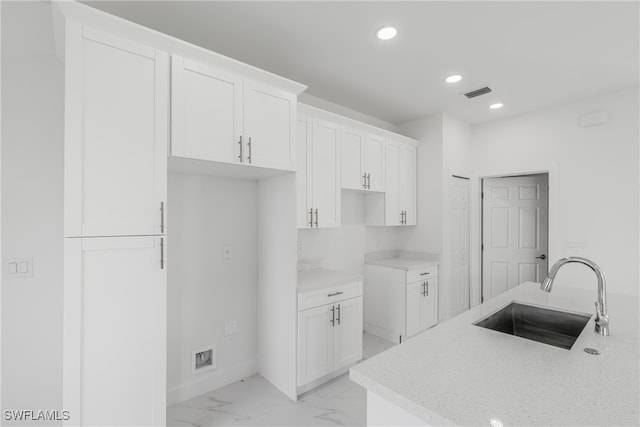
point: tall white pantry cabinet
(116, 139)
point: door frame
(552, 171)
(482, 231)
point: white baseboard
(382, 333)
(211, 381)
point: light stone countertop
(318, 278)
(460, 374)
(403, 263)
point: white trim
(352, 125)
(102, 21)
(212, 381)
(553, 171)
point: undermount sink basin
(545, 325)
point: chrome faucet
(602, 319)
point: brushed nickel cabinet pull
(335, 293)
(162, 217)
(333, 316)
(364, 180)
(249, 144)
(162, 253)
(241, 156)
(311, 217)
(338, 319)
(316, 218)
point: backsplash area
(343, 248)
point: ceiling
(532, 54)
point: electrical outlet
(19, 267)
(226, 253)
(230, 328)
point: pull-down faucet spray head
(602, 319)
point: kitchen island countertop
(461, 374)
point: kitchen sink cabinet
(221, 116)
(318, 173)
(329, 331)
(400, 303)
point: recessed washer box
(203, 360)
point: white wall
(205, 215)
(32, 221)
(593, 174)
(444, 150)
(343, 248)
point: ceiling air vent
(477, 92)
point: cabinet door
(413, 306)
(374, 162)
(206, 112)
(348, 332)
(315, 343)
(114, 350)
(352, 168)
(303, 181)
(392, 210)
(428, 305)
(116, 117)
(269, 126)
(407, 182)
(325, 173)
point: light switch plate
(19, 267)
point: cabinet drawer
(328, 295)
(422, 274)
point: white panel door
(515, 222)
(315, 343)
(374, 164)
(348, 332)
(459, 205)
(428, 304)
(393, 212)
(269, 126)
(115, 331)
(116, 121)
(206, 112)
(413, 308)
(303, 183)
(352, 167)
(325, 173)
(407, 201)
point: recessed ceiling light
(496, 105)
(387, 33)
(454, 78)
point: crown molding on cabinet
(77, 12)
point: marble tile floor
(255, 402)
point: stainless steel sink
(545, 325)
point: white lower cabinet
(114, 343)
(400, 303)
(329, 332)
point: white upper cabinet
(374, 167)
(206, 112)
(220, 116)
(269, 126)
(116, 121)
(407, 180)
(399, 207)
(318, 174)
(362, 160)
